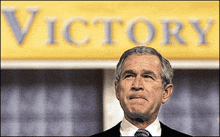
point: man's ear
(167, 93)
(117, 89)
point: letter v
(17, 30)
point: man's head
(166, 72)
(143, 82)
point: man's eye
(147, 76)
(128, 76)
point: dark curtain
(51, 102)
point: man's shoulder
(167, 131)
(114, 131)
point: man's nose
(137, 84)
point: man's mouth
(137, 97)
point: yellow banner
(105, 29)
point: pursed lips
(136, 97)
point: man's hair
(166, 72)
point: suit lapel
(114, 131)
(164, 130)
(117, 130)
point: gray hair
(167, 71)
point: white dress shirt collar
(127, 129)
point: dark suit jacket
(166, 132)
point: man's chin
(139, 116)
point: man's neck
(141, 123)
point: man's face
(140, 89)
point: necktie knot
(142, 133)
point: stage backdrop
(105, 29)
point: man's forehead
(149, 63)
(142, 59)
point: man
(143, 83)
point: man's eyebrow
(128, 72)
(149, 72)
